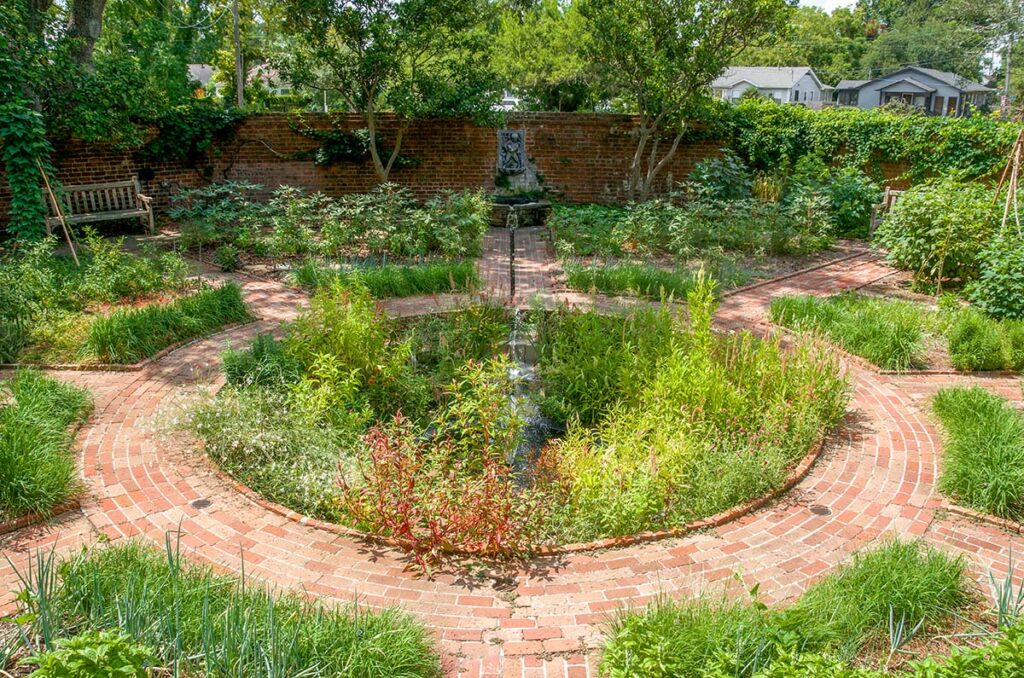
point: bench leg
(148, 221)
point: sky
(827, 5)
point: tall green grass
(643, 280)
(201, 623)
(36, 460)
(850, 611)
(129, 335)
(392, 280)
(983, 457)
(888, 333)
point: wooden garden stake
(59, 211)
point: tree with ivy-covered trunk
(413, 58)
(657, 59)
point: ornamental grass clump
(704, 423)
(983, 457)
(889, 333)
(37, 415)
(195, 622)
(867, 608)
(129, 335)
(391, 280)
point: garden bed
(380, 425)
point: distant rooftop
(766, 77)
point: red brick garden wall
(583, 157)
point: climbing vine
(770, 136)
(24, 141)
(185, 133)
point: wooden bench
(87, 203)
(877, 211)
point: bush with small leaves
(93, 654)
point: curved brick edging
(40, 517)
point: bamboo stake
(59, 211)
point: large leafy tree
(831, 44)
(414, 58)
(658, 57)
(539, 55)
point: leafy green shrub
(211, 214)
(938, 230)
(836, 617)
(851, 194)
(129, 335)
(226, 257)
(93, 654)
(975, 342)
(586, 230)
(983, 458)
(201, 623)
(456, 223)
(1001, 659)
(391, 280)
(887, 332)
(723, 178)
(35, 442)
(999, 291)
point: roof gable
(764, 77)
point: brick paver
(876, 477)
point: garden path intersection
(875, 477)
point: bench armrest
(145, 198)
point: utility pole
(239, 74)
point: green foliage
(938, 230)
(683, 428)
(658, 58)
(983, 455)
(723, 178)
(24, 144)
(343, 145)
(35, 442)
(295, 410)
(975, 342)
(46, 301)
(185, 133)
(889, 333)
(391, 280)
(836, 617)
(998, 290)
(209, 215)
(691, 229)
(767, 135)
(201, 623)
(847, 192)
(906, 580)
(93, 654)
(129, 335)
(644, 280)
(226, 257)
(1001, 659)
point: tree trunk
(370, 116)
(85, 25)
(641, 179)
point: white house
(935, 92)
(784, 84)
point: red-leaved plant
(435, 509)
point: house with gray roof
(934, 92)
(784, 84)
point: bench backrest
(114, 196)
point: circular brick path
(875, 478)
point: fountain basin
(513, 212)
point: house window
(951, 106)
(937, 104)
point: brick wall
(584, 157)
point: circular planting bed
(498, 433)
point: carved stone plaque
(511, 151)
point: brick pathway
(875, 478)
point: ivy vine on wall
(186, 133)
(24, 145)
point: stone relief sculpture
(511, 151)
